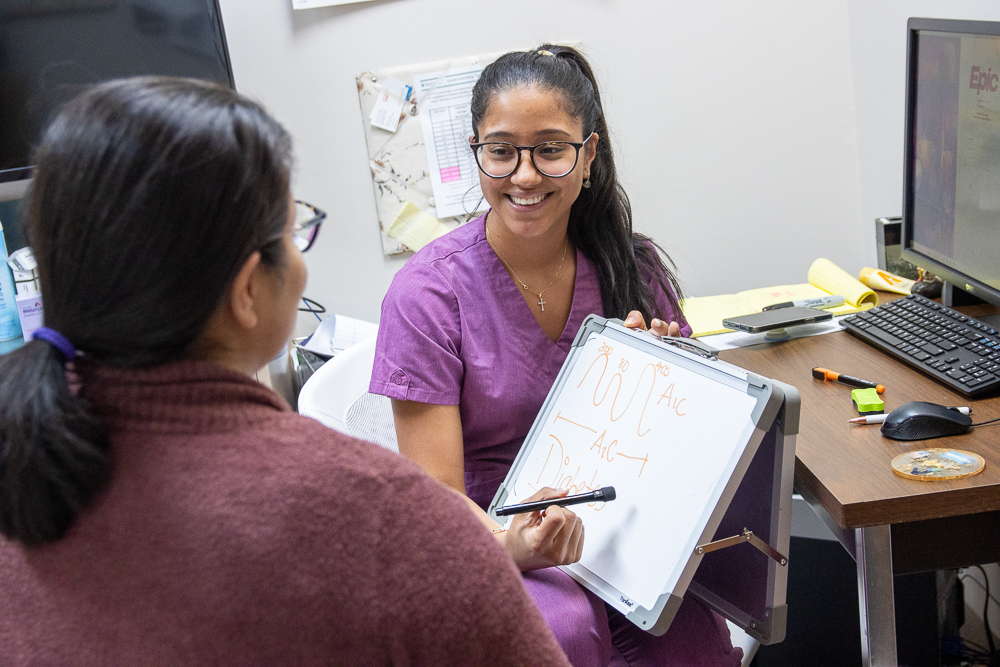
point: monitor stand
(954, 296)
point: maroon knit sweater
(237, 532)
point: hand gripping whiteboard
(701, 454)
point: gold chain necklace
(541, 301)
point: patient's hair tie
(58, 341)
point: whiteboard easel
(679, 436)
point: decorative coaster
(936, 464)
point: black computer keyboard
(952, 348)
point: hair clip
(543, 52)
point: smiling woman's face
(528, 204)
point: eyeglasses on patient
(555, 159)
(308, 219)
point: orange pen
(833, 376)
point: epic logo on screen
(981, 80)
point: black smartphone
(777, 319)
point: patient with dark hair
(157, 504)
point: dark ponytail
(149, 195)
(55, 456)
(600, 222)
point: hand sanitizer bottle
(10, 323)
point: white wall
(734, 122)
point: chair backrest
(337, 396)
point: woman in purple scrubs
(476, 326)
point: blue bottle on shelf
(10, 323)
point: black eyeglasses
(308, 219)
(555, 159)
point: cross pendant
(541, 303)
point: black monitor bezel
(947, 273)
(15, 174)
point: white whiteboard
(664, 432)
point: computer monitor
(50, 50)
(951, 196)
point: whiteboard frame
(770, 398)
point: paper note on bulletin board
(401, 170)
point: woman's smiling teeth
(527, 202)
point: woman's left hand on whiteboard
(552, 537)
(635, 320)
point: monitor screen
(10, 220)
(50, 50)
(951, 204)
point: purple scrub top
(455, 330)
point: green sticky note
(867, 402)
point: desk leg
(878, 616)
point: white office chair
(337, 396)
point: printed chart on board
(666, 437)
(446, 119)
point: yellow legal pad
(705, 313)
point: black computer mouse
(919, 420)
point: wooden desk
(890, 525)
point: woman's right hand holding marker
(543, 539)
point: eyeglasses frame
(475, 146)
(316, 221)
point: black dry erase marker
(605, 495)
(834, 376)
